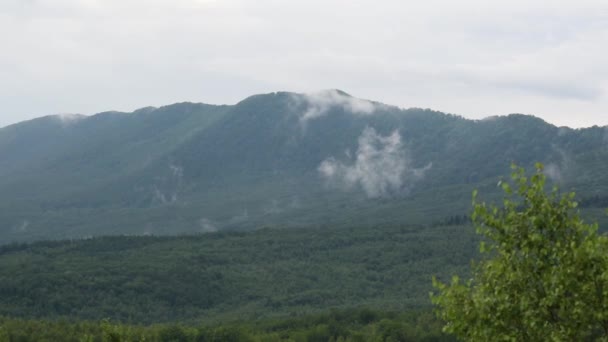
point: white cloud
(381, 167)
(68, 119)
(207, 226)
(319, 103)
(475, 58)
(553, 171)
(561, 169)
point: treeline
(363, 325)
(230, 276)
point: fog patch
(558, 170)
(166, 188)
(320, 103)
(177, 172)
(68, 119)
(163, 198)
(380, 167)
(553, 171)
(207, 226)
(272, 208)
(240, 218)
(22, 226)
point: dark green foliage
(343, 325)
(229, 275)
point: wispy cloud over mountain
(320, 103)
(380, 167)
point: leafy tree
(543, 275)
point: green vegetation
(363, 325)
(230, 276)
(544, 276)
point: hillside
(273, 160)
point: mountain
(278, 160)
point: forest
(227, 276)
(335, 325)
(347, 284)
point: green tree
(543, 274)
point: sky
(468, 57)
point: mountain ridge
(279, 159)
(148, 109)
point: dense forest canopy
(225, 276)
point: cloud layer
(380, 168)
(474, 58)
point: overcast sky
(467, 57)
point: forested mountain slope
(279, 159)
